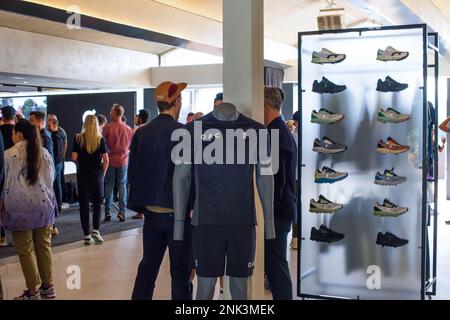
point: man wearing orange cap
(150, 176)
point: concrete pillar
(243, 83)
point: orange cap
(169, 91)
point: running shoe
(88, 240)
(391, 54)
(388, 209)
(27, 295)
(390, 240)
(328, 146)
(323, 205)
(392, 116)
(97, 237)
(328, 175)
(47, 292)
(325, 116)
(389, 178)
(326, 56)
(390, 85)
(326, 235)
(326, 86)
(3, 242)
(391, 147)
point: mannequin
(181, 186)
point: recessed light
(25, 82)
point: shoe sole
(388, 215)
(388, 183)
(317, 121)
(391, 59)
(391, 152)
(386, 120)
(328, 151)
(329, 92)
(327, 61)
(324, 241)
(328, 181)
(390, 246)
(318, 210)
(390, 90)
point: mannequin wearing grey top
(181, 188)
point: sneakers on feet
(97, 237)
(107, 217)
(65, 205)
(55, 231)
(121, 217)
(88, 240)
(27, 295)
(3, 243)
(47, 292)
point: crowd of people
(137, 163)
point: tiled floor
(108, 271)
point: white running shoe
(88, 240)
(391, 54)
(97, 237)
(326, 56)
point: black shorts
(214, 246)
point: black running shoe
(325, 235)
(390, 85)
(326, 86)
(390, 240)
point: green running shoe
(325, 116)
(392, 116)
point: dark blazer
(285, 198)
(150, 170)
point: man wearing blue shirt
(276, 264)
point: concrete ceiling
(35, 25)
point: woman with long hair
(29, 208)
(91, 153)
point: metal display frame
(431, 45)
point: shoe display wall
(365, 118)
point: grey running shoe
(325, 116)
(389, 178)
(328, 175)
(388, 209)
(328, 146)
(326, 56)
(27, 295)
(48, 292)
(323, 205)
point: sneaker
(391, 54)
(3, 243)
(325, 235)
(47, 292)
(55, 231)
(389, 178)
(392, 116)
(390, 240)
(325, 116)
(388, 209)
(323, 205)
(294, 244)
(88, 240)
(326, 86)
(97, 237)
(65, 205)
(390, 85)
(27, 295)
(138, 216)
(107, 217)
(326, 56)
(328, 146)
(328, 175)
(121, 217)
(391, 147)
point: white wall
(41, 55)
(200, 75)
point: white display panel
(341, 269)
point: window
(198, 100)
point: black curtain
(273, 77)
